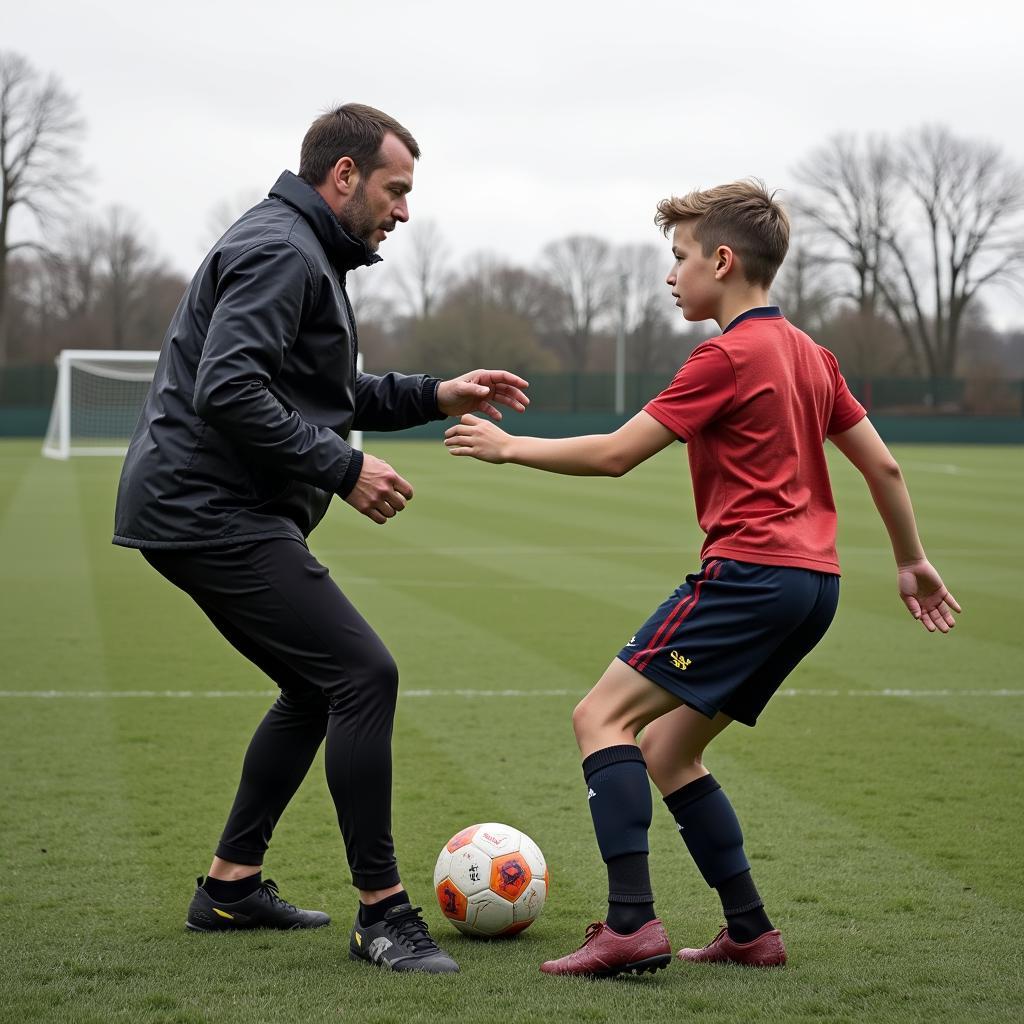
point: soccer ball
(491, 880)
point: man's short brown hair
(742, 215)
(353, 130)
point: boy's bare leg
(673, 747)
(620, 704)
(606, 723)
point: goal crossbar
(99, 395)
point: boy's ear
(725, 259)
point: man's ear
(345, 176)
(725, 260)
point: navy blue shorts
(727, 637)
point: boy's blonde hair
(742, 215)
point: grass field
(881, 796)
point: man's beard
(357, 218)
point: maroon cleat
(605, 953)
(765, 951)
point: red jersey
(754, 407)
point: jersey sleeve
(702, 390)
(846, 410)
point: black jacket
(242, 435)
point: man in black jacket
(239, 450)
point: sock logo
(680, 661)
(590, 794)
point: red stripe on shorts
(635, 660)
(642, 659)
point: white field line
(499, 550)
(475, 584)
(687, 558)
(472, 694)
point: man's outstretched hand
(380, 493)
(479, 390)
(926, 596)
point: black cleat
(400, 942)
(260, 909)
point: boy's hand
(476, 437)
(478, 390)
(926, 596)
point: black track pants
(277, 605)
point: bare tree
(53, 295)
(923, 225)
(809, 283)
(469, 329)
(91, 285)
(805, 288)
(129, 266)
(39, 131)
(580, 267)
(224, 213)
(425, 272)
(639, 275)
(161, 293)
(852, 190)
(644, 308)
(961, 232)
(521, 292)
(371, 299)
(74, 265)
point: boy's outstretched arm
(920, 586)
(591, 455)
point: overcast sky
(536, 119)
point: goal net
(98, 400)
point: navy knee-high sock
(711, 831)
(619, 796)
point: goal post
(98, 399)
(97, 402)
(355, 437)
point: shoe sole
(637, 967)
(725, 962)
(396, 970)
(735, 963)
(189, 926)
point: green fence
(947, 411)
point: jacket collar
(345, 251)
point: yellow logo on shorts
(680, 661)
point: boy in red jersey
(754, 406)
